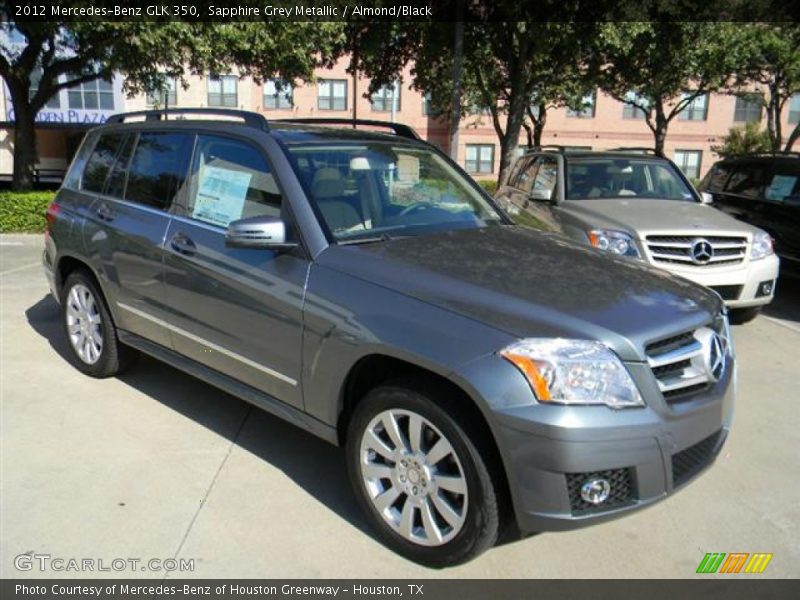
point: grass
(23, 212)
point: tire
(744, 315)
(92, 342)
(430, 521)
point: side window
(157, 168)
(230, 180)
(716, 178)
(782, 184)
(116, 181)
(100, 162)
(526, 176)
(746, 181)
(546, 176)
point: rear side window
(747, 181)
(230, 180)
(101, 161)
(158, 168)
(784, 182)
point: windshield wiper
(384, 237)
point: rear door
(235, 310)
(743, 190)
(129, 220)
(779, 213)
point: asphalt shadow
(313, 464)
(786, 304)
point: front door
(235, 310)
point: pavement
(157, 465)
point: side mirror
(542, 195)
(706, 198)
(258, 232)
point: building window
(748, 108)
(383, 98)
(223, 91)
(794, 110)
(629, 111)
(689, 162)
(332, 94)
(278, 94)
(428, 109)
(480, 158)
(36, 77)
(696, 110)
(588, 110)
(165, 96)
(92, 95)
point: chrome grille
(680, 363)
(683, 249)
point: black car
(763, 190)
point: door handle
(182, 244)
(105, 213)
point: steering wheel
(416, 207)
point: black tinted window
(116, 181)
(230, 181)
(716, 178)
(158, 168)
(100, 162)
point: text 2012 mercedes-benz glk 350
(483, 377)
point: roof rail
(251, 119)
(399, 129)
(779, 153)
(555, 147)
(642, 149)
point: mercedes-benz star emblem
(702, 251)
(715, 357)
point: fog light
(764, 288)
(595, 491)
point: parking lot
(156, 464)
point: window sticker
(780, 187)
(221, 195)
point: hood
(533, 284)
(639, 215)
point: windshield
(382, 190)
(632, 178)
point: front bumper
(647, 453)
(742, 281)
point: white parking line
(783, 323)
(3, 243)
(22, 268)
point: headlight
(762, 246)
(616, 242)
(562, 371)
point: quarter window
(332, 94)
(223, 91)
(480, 158)
(116, 181)
(158, 168)
(230, 180)
(748, 108)
(689, 162)
(100, 162)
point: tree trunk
(538, 126)
(793, 137)
(774, 120)
(24, 135)
(528, 133)
(660, 129)
(458, 61)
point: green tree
(57, 55)
(748, 139)
(659, 68)
(773, 68)
(507, 64)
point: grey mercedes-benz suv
(483, 377)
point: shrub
(490, 185)
(748, 139)
(23, 212)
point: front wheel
(420, 478)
